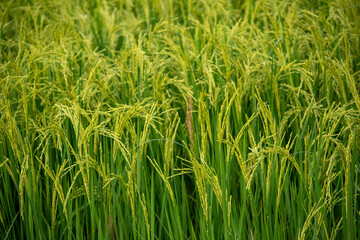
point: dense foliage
(179, 119)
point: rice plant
(179, 119)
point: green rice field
(180, 119)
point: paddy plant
(179, 119)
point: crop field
(179, 119)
